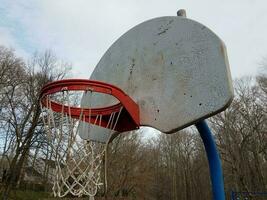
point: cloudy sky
(80, 31)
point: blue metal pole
(216, 174)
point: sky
(80, 31)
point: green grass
(35, 195)
(28, 195)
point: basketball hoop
(78, 161)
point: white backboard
(174, 68)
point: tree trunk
(19, 159)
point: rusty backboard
(175, 68)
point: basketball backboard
(174, 68)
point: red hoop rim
(129, 119)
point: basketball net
(77, 161)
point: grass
(35, 195)
(28, 195)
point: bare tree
(128, 171)
(241, 134)
(22, 110)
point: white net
(77, 161)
